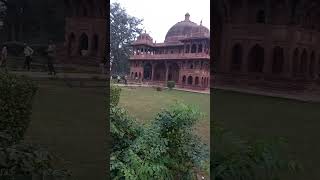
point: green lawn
(71, 122)
(258, 117)
(145, 103)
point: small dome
(144, 38)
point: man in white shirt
(27, 53)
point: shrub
(16, 98)
(153, 152)
(159, 88)
(24, 160)
(114, 95)
(171, 84)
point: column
(152, 73)
(203, 47)
(167, 69)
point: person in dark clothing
(51, 55)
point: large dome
(183, 29)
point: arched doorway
(256, 59)
(304, 62)
(160, 72)
(278, 60)
(173, 73)
(236, 58)
(196, 81)
(190, 80)
(200, 48)
(312, 65)
(147, 71)
(71, 43)
(84, 44)
(184, 80)
(295, 62)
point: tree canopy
(123, 30)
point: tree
(123, 30)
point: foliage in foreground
(171, 84)
(234, 158)
(167, 149)
(18, 158)
(16, 98)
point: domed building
(183, 57)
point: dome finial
(187, 16)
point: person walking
(4, 55)
(51, 55)
(27, 53)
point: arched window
(84, 44)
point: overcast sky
(160, 15)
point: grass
(145, 103)
(71, 122)
(259, 117)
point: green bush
(24, 160)
(16, 98)
(167, 149)
(115, 92)
(171, 84)
(159, 88)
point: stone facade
(85, 32)
(184, 57)
(268, 43)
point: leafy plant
(16, 98)
(171, 84)
(167, 149)
(114, 95)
